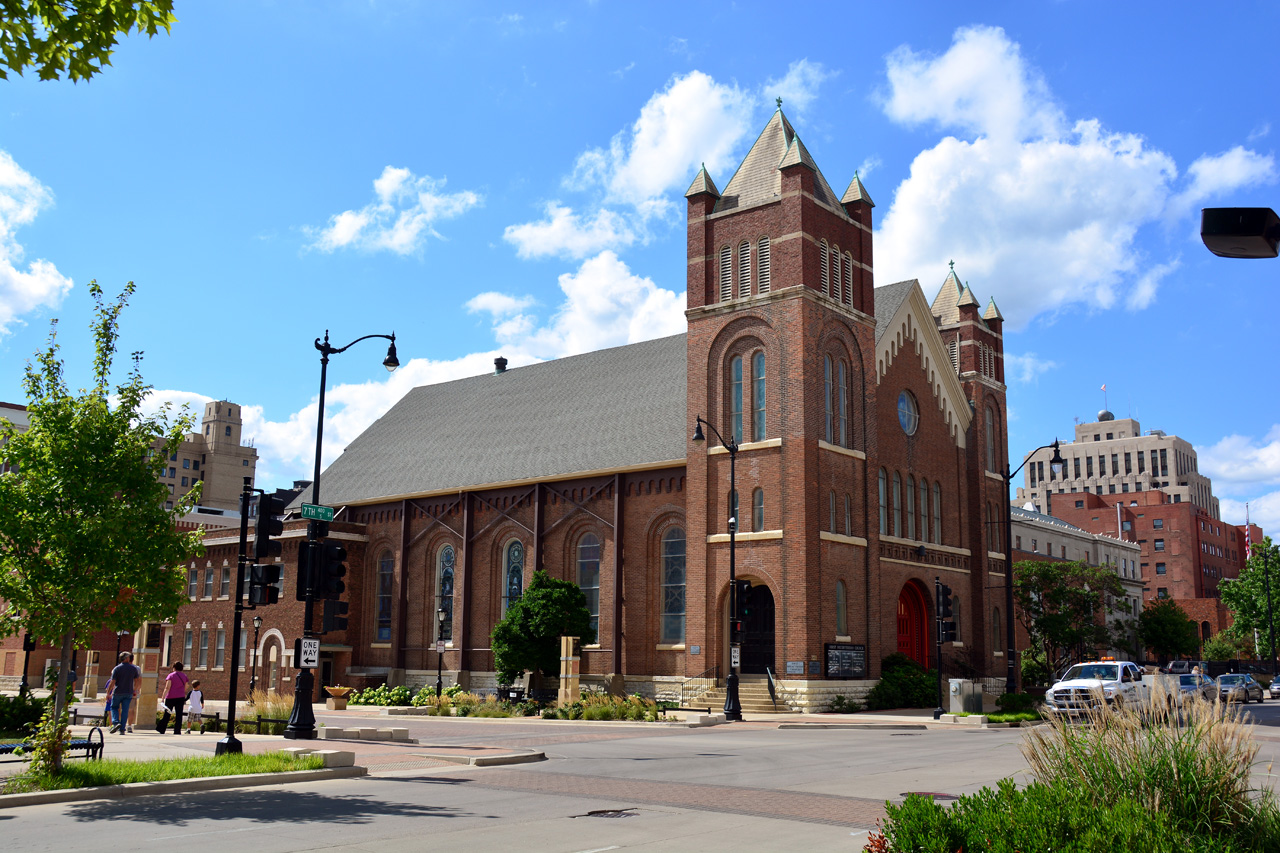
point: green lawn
(111, 771)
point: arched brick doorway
(912, 637)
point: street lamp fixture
(1056, 464)
(302, 720)
(440, 617)
(253, 673)
(732, 705)
(1240, 232)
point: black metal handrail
(693, 687)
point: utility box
(965, 696)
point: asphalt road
(743, 787)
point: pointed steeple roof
(946, 304)
(857, 192)
(758, 178)
(702, 183)
(967, 297)
(992, 312)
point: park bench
(91, 747)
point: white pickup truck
(1116, 681)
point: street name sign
(315, 512)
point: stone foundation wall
(813, 697)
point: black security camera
(1240, 232)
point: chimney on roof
(499, 366)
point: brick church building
(870, 425)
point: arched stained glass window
(757, 510)
(884, 503)
(589, 576)
(757, 397)
(735, 397)
(673, 606)
(513, 574)
(382, 597)
(924, 510)
(911, 507)
(832, 520)
(842, 385)
(897, 504)
(828, 398)
(444, 591)
(937, 513)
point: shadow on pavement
(254, 805)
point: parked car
(1194, 685)
(1238, 687)
(1080, 687)
(1275, 688)
(1184, 667)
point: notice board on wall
(846, 660)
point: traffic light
(306, 556)
(317, 530)
(262, 584)
(328, 579)
(735, 631)
(742, 590)
(946, 632)
(944, 601)
(269, 506)
(335, 616)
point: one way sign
(309, 656)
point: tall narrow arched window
(848, 278)
(924, 510)
(744, 269)
(735, 398)
(827, 397)
(884, 503)
(762, 263)
(757, 397)
(382, 597)
(673, 548)
(836, 277)
(991, 439)
(897, 504)
(444, 591)
(997, 641)
(848, 516)
(842, 389)
(937, 513)
(842, 607)
(911, 507)
(726, 274)
(589, 576)
(832, 519)
(757, 510)
(512, 574)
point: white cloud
(1026, 368)
(499, 304)
(798, 88)
(1223, 173)
(1239, 460)
(1037, 210)
(400, 218)
(567, 234)
(695, 119)
(40, 285)
(1263, 510)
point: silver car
(1196, 685)
(1238, 687)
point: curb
(488, 760)
(892, 726)
(177, 786)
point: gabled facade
(863, 470)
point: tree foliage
(73, 37)
(86, 542)
(1246, 597)
(528, 637)
(1063, 607)
(1167, 630)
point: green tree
(528, 637)
(1246, 597)
(1167, 630)
(1223, 647)
(73, 37)
(1063, 607)
(85, 540)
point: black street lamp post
(120, 635)
(440, 616)
(302, 720)
(28, 646)
(732, 705)
(253, 673)
(1056, 463)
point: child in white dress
(195, 707)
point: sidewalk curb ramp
(881, 726)
(178, 786)
(486, 760)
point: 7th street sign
(315, 512)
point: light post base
(302, 721)
(228, 745)
(732, 705)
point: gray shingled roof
(758, 179)
(888, 300)
(608, 409)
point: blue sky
(507, 180)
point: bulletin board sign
(846, 660)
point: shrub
(1018, 703)
(19, 715)
(903, 684)
(844, 705)
(382, 695)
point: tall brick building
(870, 426)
